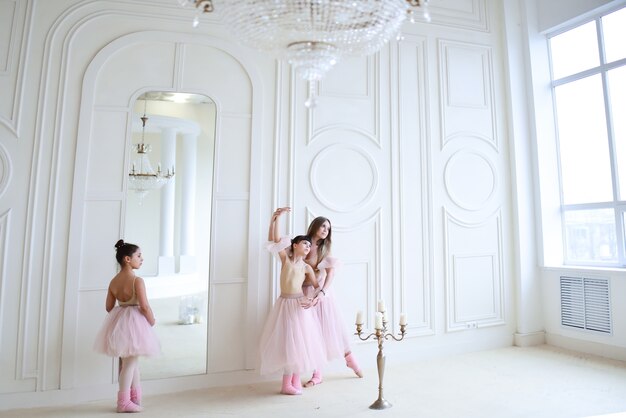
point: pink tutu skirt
(291, 340)
(125, 333)
(330, 320)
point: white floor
(506, 383)
(183, 346)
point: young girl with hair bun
(291, 341)
(127, 329)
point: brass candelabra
(381, 335)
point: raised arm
(273, 233)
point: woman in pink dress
(291, 341)
(327, 312)
(127, 329)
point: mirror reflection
(168, 213)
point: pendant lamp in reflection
(142, 178)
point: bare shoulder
(139, 282)
(309, 269)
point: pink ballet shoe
(135, 395)
(316, 379)
(288, 388)
(124, 404)
(351, 363)
(296, 382)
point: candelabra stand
(381, 335)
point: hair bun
(119, 244)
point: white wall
(408, 152)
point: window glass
(590, 236)
(614, 32)
(617, 89)
(575, 51)
(584, 148)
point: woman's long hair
(323, 245)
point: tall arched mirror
(168, 214)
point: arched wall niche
(161, 61)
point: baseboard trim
(529, 339)
(589, 347)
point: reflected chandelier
(313, 35)
(142, 178)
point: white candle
(359, 318)
(381, 306)
(378, 323)
(403, 319)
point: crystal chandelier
(313, 35)
(142, 178)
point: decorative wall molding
(15, 16)
(6, 169)
(4, 245)
(373, 266)
(467, 14)
(469, 135)
(319, 166)
(411, 166)
(474, 275)
(470, 179)
(366, 105)
(467, 90)
(8, 33)
(338, 128)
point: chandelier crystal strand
(311, 101)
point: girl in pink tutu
(291, 341)
(337, 343)
(127, 330)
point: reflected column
(188, 203)
(167, 262)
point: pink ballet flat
(351, 363)
(124, 404)
(135, 395)
(316, 379)
(287, 388)
(296, 382)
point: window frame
(617, 206)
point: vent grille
(585, 304)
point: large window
(589, 90)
